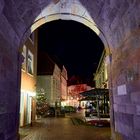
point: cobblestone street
(63, 129)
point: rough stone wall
(119, 22)
(9, 103)
(126, 71)
(16, 18)
(115, 18)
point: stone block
(2, 136)
(124, 129)
(44, 2)
(130, 109)
(9, 36)
(17, 3)
(112, 14)
(122, 118)
(135, 41)
(137, 134)
(117, 100)
(135, 97)
(93, 5)
(136, 120)
(1, 6)
(114, 24)
(137, 15)
(117, 4)
(115, 107)
(16, 22)
(128, 138)
(126, 17)
(122, 99)
(138, 110)
(122, 108)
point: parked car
(50, 112)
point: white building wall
(51, 85)
(56, 84)
(44, 82)
(26, 107)
(63, 88)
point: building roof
(45, 65)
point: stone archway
(119, 23)
(71, 10)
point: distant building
(101, 81)
(73, 93)
(64, 87)
(101, 75)
(28, 81)
(51, 79)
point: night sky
(74, 45)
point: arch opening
(50, 22)
(63, 16)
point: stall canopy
(101, 99)
(94, 92)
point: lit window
(24, 57)
(30, 63)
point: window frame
(30, 63)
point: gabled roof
(45, 65)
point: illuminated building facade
(101, 75)
(52, 79)
(73, 93)
(64, 87)
(28, 81)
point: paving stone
(63, 129)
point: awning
(95, 92)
